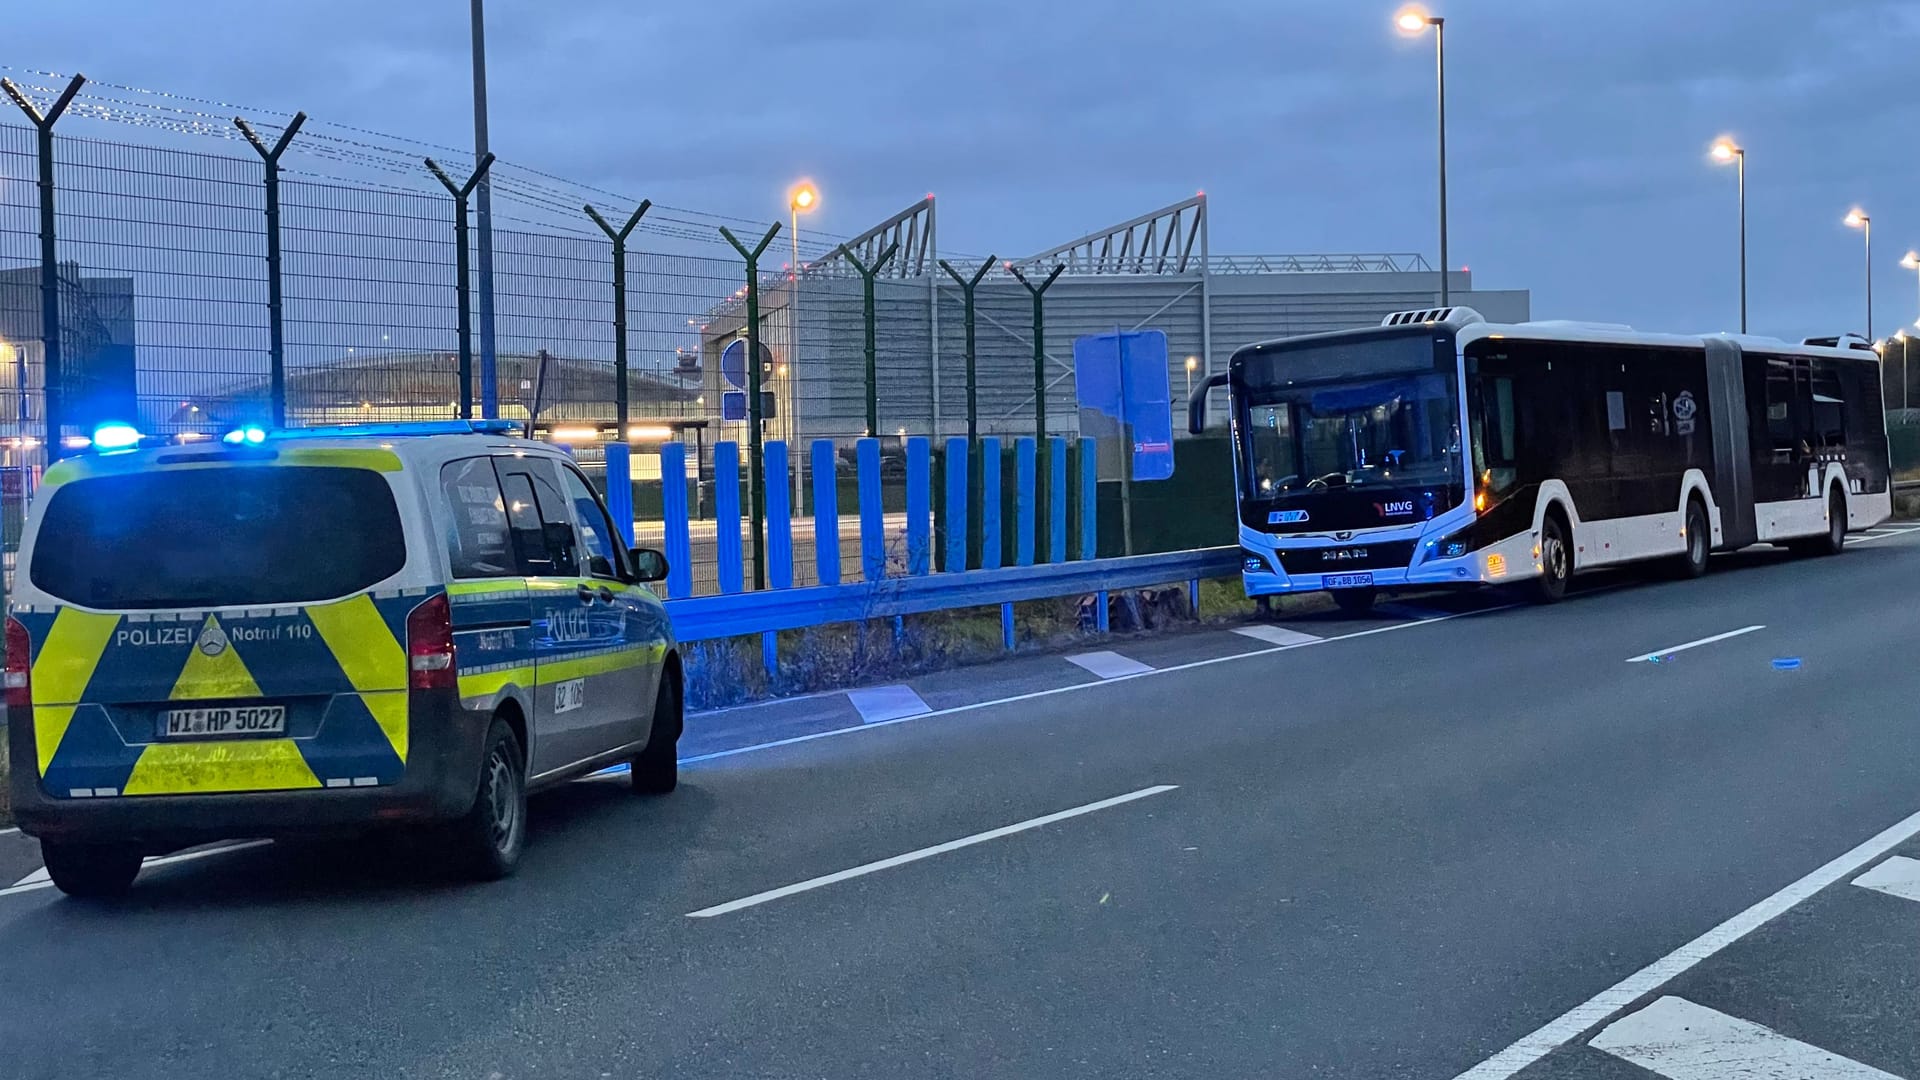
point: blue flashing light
(251, 435)
(115, 436)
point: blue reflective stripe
(956, 538)
(1023, 468)
(778, 483)
(826, 514)
(673, 506)
(1089, 498)
(620, 489)
(726, 513)
(1057, 499)
(989, 504)
(873, 536)
(919, 504)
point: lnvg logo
(1396, 508)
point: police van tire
(91, 869)
(488, 839)
(1354, 601)
(656, 769)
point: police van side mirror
(648, 564)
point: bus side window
(1829, 409)
(1780, 433)
(1499, 459)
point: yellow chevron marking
(222, 675)
(200, 768)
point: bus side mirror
(1197, 403)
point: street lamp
(1858, 219)
(1911, 260)
(1193, 364)
(1412, 20)
(1725, 150)
(803, 198)
(1906, 342)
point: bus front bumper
(1511, 560)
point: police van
(324, 630)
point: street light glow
(1412, 19)
(1193, 363)
(1857, 218)
(1725, 149)
(803, 197)
(1911, 260)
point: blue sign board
(1123, 375)
(733, 368)
(733, 405)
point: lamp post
(1911, 260)
(802, 199)
(1858, 219)
(1192, 363)
(1725, 150)
(1415, 20)
(1906, 342)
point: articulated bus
(1441, 449)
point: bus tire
(91, 870)
(1836, 538)
(1699, 535)
(1354, 601)
(1556, 561)
(487, 840)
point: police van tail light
(19, 664)
(429, 646)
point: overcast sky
(1577, 132)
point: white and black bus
(1441, 449)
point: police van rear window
(194, 538)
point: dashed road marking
(1671, 649)
(1109, 664)
(879, 703)
(37, 875)
(1275, 635)
(1898, 876)
(925, 852)
(1683, 1041)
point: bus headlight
(1252, 562)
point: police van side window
(604, 557)
(536, 517)
(477, 544)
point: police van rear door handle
(584, 592)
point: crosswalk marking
(1275, 635)
(877, 703)
(1109, 664)
(1898, 876)
(1679, 1040)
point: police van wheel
(1354, 601)
(91, 869)
(488, 840)
(656, 769)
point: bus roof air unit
(1453, 316)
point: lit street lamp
(802, 199)
(1906, 342)
(1193, 363)
(1725, 150)
(1911, 260)
(1859, 220)
(1412, 20)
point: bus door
(1781, 428)
(1727, 407)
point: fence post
(54, 375)
(276, 335)
(673, 516)
(1039, 387)
(866, 282)
(967, 286)
(619, 238)
(463, 290)
(826, 514)
(756, 494)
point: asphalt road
(1391, 850)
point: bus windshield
(1373, 432)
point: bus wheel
(1836, 537)
(1353, 601)
(1556, 562)
(1699, 535)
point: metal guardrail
(706, 617)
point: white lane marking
(926, 852)
(37, 875)
(1557, 1031)
(1275, 635)
(1898, 876)
(1109, 664)
(1671, 649)
(1683, 1041)
(880, 703)
(1868, 538)
(9, 832)
(794, 740)
(160, 860)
